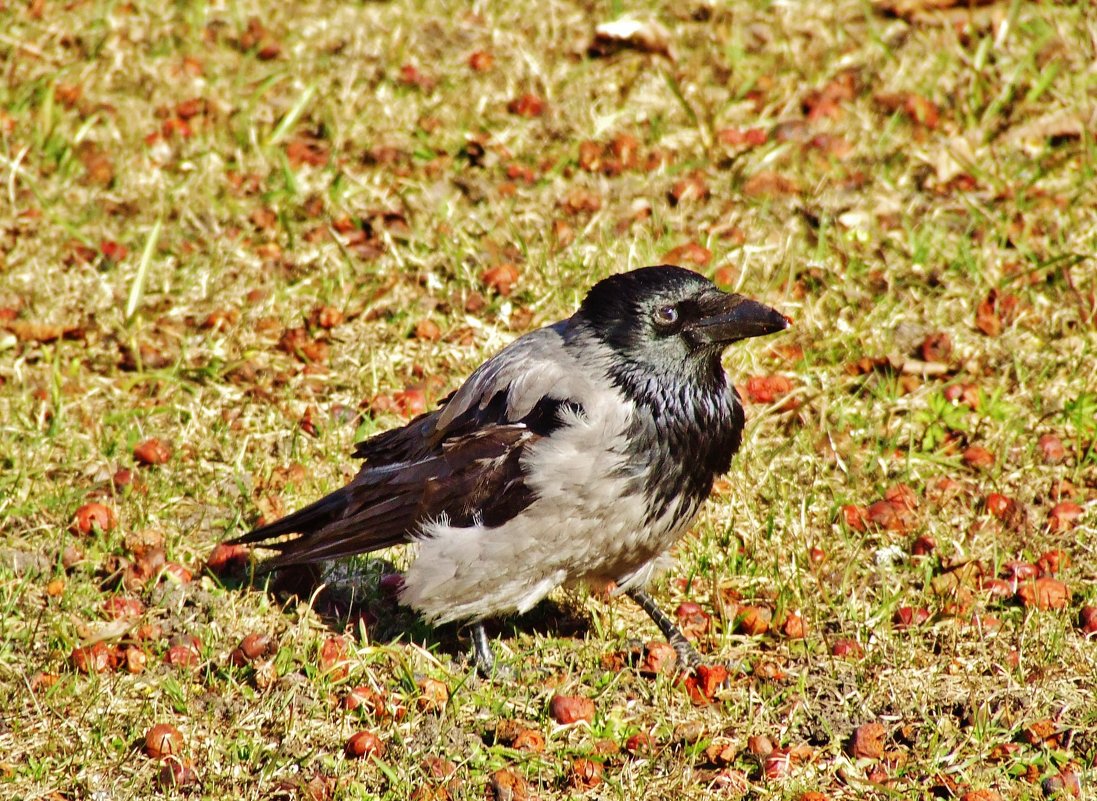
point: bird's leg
(688, 658)
(481, 651)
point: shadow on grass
(358, 598)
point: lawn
(236, 238)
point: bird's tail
(304, 521)
(352, 520)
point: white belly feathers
(588, 521)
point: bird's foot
(706, 680)
(484, 657)
(707, 676)
(688, 658)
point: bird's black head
(673, 322)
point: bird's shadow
(358, 597)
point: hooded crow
(581, 452)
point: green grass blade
(137, 288)
(285, 125)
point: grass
(241, 230)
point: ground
(237, 238)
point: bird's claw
(688, 658)
(484, 658)
(703, 681)
(712, 675)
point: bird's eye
(666, 316)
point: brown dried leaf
(867, 741)
(1051, 448)
(766, 388)
(585, 773)
(705, 681)
(92, 517)
(722, 751)
(995, 312)
(481, 61)
(828, 101)
(27, 331)
(507, 785)
(1044, 593)
(527, 105)
(97, 164)
(363, 744)
(977, 456)
(936, 347)
(152, 451)
(659, 658)
(566, 709)
(770, 184)
(688, 254)
(689, 189)
(433, 695)
(693, 621)
(501, 278)
(1064, 516)
(889, 516)
(753, 620)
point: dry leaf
(528, 105)
(867, 741)
(26, 331)
(770, 184)
(690, 253)
(1044, 593)
(565, 709)
(995, 312)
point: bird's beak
(728, 318)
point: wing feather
(462, 462)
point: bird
(578, 454)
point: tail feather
(358, 529)
(355, 519)
(305, 551)
(315, 516)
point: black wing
(462, 462)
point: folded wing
(462, 462)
